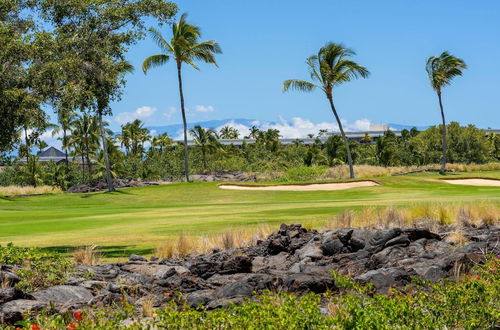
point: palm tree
(65, 117)
(183, 47)
(206, 139)
(85, 137)
(331, 67)
(162, 141)
(228, 132)
(254, 132)
(441, 71)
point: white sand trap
(475, 182)
(304, 187)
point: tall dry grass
(191, 245)
(424, 214)
(28, 190)
(88, 256)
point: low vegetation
(28, 190)
(36, 269)
(471, 302)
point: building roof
(50, 154)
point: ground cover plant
(470, 302)
(141, 219)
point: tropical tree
(441, 71)
(183, 47)
(206, 139)
(65, 118)
(162, 141)
(228, 132)
(85, 138)
(254, 132)
(331, 67)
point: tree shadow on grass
(92, 194)
(112, 251)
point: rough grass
(28, 190)
(139, 220)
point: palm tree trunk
(27, 145)
(346, 142)
(65, 148)
(443, 132)
(186, 164)
(109, 181)
(204, 158)
(83, 168)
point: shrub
(37, 269)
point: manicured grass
(137, 220)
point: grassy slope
(136, 220)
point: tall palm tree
(65, 118)
(441, 71)
(85, 137)
(331, 67)
(163, 141)
(206, 139)
(184, 47)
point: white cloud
(170, 112)
(139, 113)
(204, 108)
(299, 127)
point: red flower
(478, 278)
(121, 298)
(35, 327)
(72, 326)
(78, 316)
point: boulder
(9, 294)
(303, 283)
(13, 311)
(63, 294)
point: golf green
(136, 220)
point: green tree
(95, 36)
(206, 140)
(183, 47)
(228, 132)
(85, 139)
(441, 71)
(331, 67)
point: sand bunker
(475, 182)
(304, 187)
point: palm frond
(300, 85)
(154, 61)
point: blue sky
(265, 42)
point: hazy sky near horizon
(266, 42)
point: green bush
(303, 173)
(37, 269)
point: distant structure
(50, 154)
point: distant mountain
(176, 129)
(400, 127)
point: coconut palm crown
(183, 47)
(441, 71)
(330, 67)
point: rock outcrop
(292, 259)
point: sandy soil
(306, 187)
(475, 182)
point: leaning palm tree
(206, 139)
(441, 71)
(183, 47)
(331, 67)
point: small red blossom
(478, 278)
(35, 327)
(121, 298)
(72, 326)
(78, 316)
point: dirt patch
(303, 187)
(475, 182)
